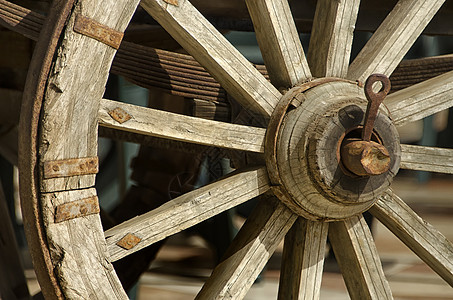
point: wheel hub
(311, 151)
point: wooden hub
(316, 168)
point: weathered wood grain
(78, 250)
(421, 237)
(178, 127)
(358, 258)
(249, 251)
(68, 129)
(296, 161)
(188, 210)
(331, 37)
(421, 100)
(431, 159)
(391, 41)
(69, 121)
(303, 260)
(279, 42)
(237, 75)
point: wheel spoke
(421, 100)
(153, 122)
(237, 75)
(188, 210)
(249, 251)
(393, 38)
(422, 238)
(429, 159)
(357, 256)
(331, 40)
(303, 260)
(279, 42)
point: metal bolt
(365, 157)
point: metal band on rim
(98, 31)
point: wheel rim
(328, 56)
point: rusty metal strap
(98, 31)
(77, 209)
(71, 167)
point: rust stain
(173, 2)
(129, 241)
(365, 158)
(120, 115)
(77, 209)
(98, 31)
(71, 167)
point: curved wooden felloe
(314, 197)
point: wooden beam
(249, 251)
(303, 260)
(391, 41)
(279, 42)
(421, 100)
(431, 159)
(421, 237)
(212, 50)
(359, 262)
(158, 123)
(187, 210)
(331, 37)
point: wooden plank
(391, 41)
(188, 210)
(249, 251)
(303, 260)
(421, 100)
(78, 250)
(153, 122)
(331, 37)
(68, 129)
(421, 237)
(429, 159)
(279, 42)
(69, 123)
(237, 75)
(13, 284)
(358, 258)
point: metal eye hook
(374, 101)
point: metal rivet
(129, 241)
(119, 115)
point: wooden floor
(185, 262)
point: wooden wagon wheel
(315, 196)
